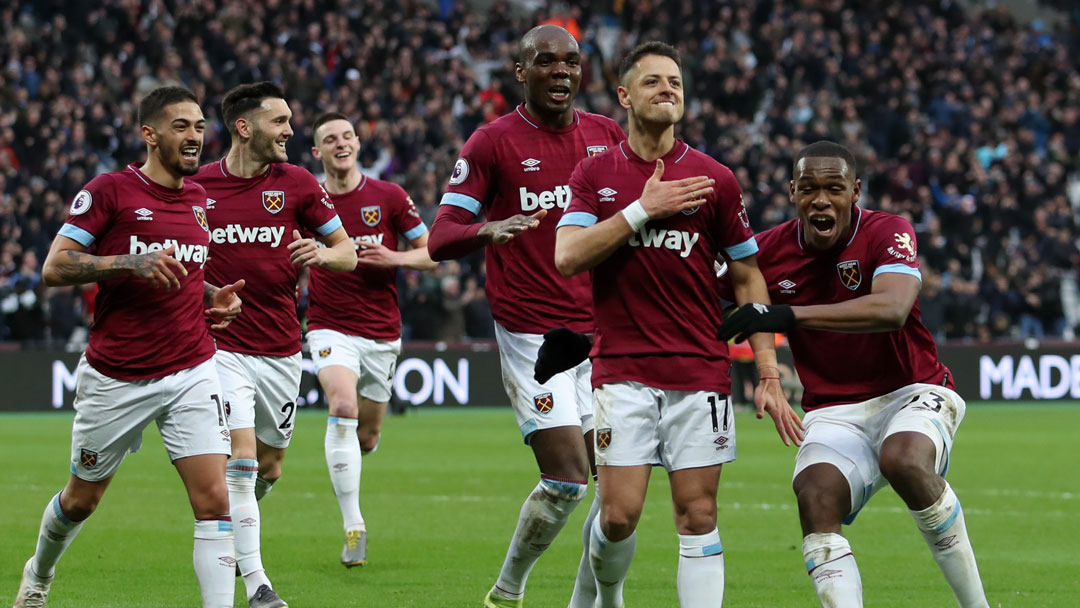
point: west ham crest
(88, 458)
(595, 150)
(200, 216)
(544, 402)
(603, 438)
(371, 214)
(324, 352)
(273, 200)
(850, 274)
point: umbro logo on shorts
(721, 443)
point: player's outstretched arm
(504, 231)
(885, 308)
(376, 255)
(580, 248)
(68, 264)
(339, 253)
(769, 395)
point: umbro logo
(531, 164)
(787, 286)
(144, 214)
(947, 543)
(210, 204)
(828, 574)
(607, 195)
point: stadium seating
(967, 122)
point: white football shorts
(260, 393)
(564, 400)
(110, 416)
(850, 436)
(637, 424)
(373, 361)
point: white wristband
(635, 215)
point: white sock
(54, 536)
(240, 479)
(214, 562)
(343, 459)
(610, 563)
(584, 595)
(942, 525)
(701, 570)
(542, 517)
(832, 568)
(263, 487)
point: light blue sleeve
(744, 249)
(577, 218)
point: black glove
(561, 350)
(754, 318)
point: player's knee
(901, 466)
(270, 471)
(343, 407)
(821, 504)
(210, 502)
(369, 442)
(696, 516)
(618, 523)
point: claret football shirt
(140, 331)
(655, 299)
(517, 165)
(251, 225)
(837, 368)
(364, 302)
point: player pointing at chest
(648, 217)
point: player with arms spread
(659, 373)
(257, 202)
(516, 171)
(141, 234)
(354, 325)
(847, 281)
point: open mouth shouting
(823, 225)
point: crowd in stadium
(984, 161)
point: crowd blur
(963, 120)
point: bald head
(544, 36)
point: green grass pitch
(442, 494)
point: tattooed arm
(69, 264)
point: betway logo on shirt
(681, 241)
(236, 233)
(367, 238)
(548, 199)
(184, 252)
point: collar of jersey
(536, 124)
(673, 156)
